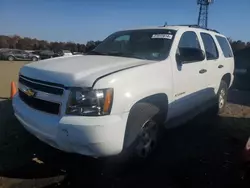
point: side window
(224, 46)
(189, 39)
(189, 49)
(17, 52)
(210, 46)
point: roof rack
(197, 26)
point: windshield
(150, 44)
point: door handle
(220, 66)
(202, 71)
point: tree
(4, 42)
(43, 45)
(27, 43)
(238, 45)
(90, 45)
(13, 40)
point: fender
(154, 106)
(138, 83)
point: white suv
(116, 98)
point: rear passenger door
(212, 63)
(226, 64)
(18, 54)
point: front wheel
(139, 151)
(11, 58)
(147, 140)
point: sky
(84, 20)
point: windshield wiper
(96, 53)
(119, 54)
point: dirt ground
(205, 152)
(8, 72)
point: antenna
(203, 13)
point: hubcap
(222, 98)
(147, 139)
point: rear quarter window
(210, 46)
(224, 45)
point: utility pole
(203, 13)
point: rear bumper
(92, 136)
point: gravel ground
(205, 152)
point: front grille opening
(38, 104)
(41, 87)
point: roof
(178, 27)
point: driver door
(189, 77)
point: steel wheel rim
(222, 98)
(11, 58)
(147, 139)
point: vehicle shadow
(239, 97)
(241, 82)
(22, 156)
(205, 152)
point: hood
(78, 70)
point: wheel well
(159, 100)
(227, 79)
(151, 106)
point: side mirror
(188, 55)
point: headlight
(88, 102)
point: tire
(147, 126)
(146, 141)
(34, 59)
(11, 58)
(221, 99)
(134, 156)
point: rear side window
(17, 52)
(224, 46)
(210, 46)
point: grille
(39, 85)
(42, 105)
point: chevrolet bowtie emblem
(30, 92)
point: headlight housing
(89, 102)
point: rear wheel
(221, 98)
(34, 59)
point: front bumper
(92, 136)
